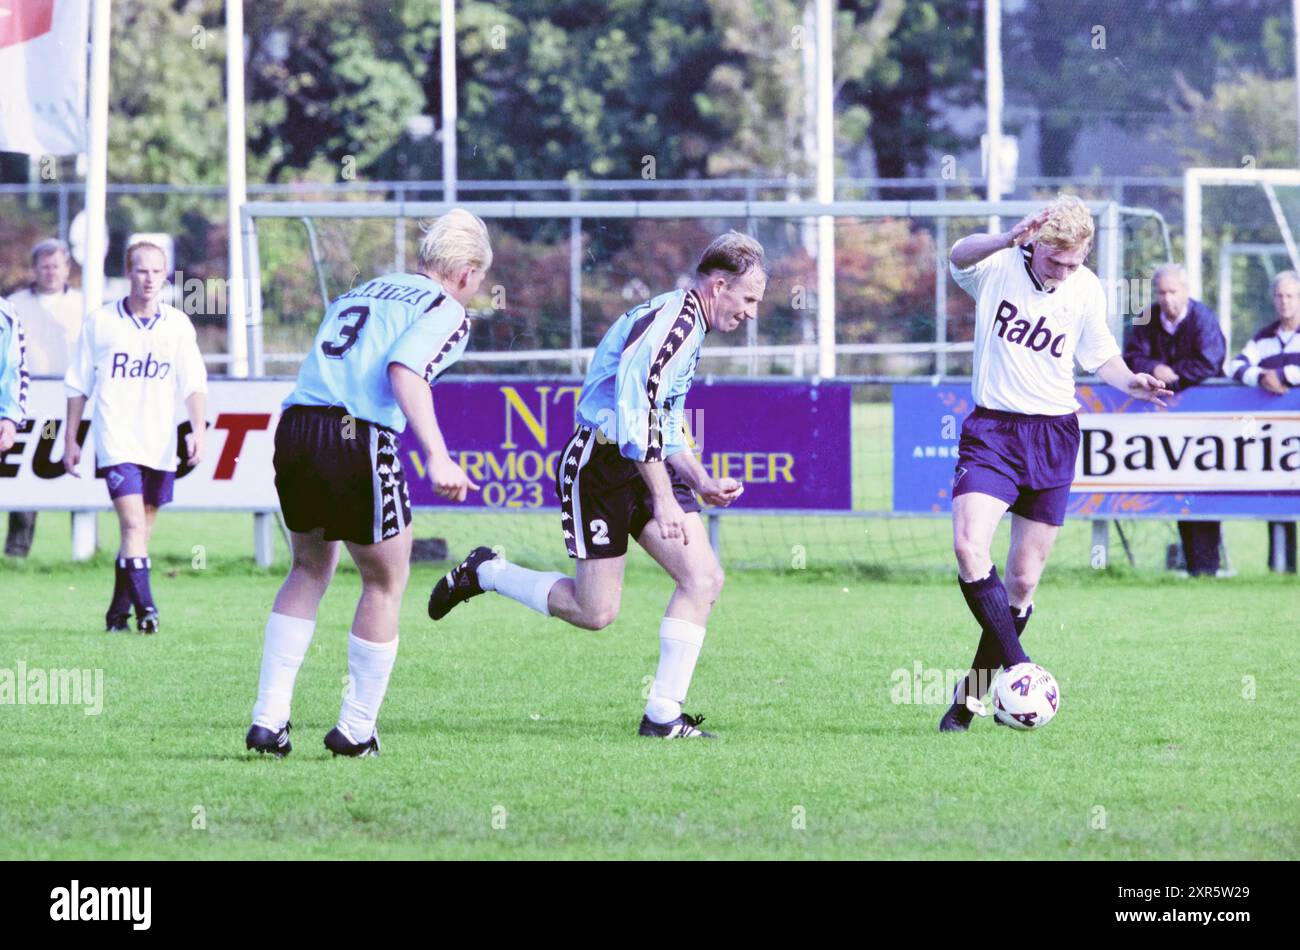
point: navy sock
(987, 600)
(137, 582)
(121, 603)
(985, 665)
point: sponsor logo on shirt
(148, 368)
(1016, 329)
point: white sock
(679, 648)
(369, 666)
(530, 588)
(283, 650)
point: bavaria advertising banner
(1216, 451)
(790, 444)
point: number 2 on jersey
(348, 333)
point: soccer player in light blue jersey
(629, 472)
(380, 348)
(13, 376)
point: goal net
(563, 271)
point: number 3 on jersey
(348, 333)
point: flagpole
(84, 524)
(92, 274)
(236, 193)
(447, 28)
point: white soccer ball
(1026, 697)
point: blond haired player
(1038, 310)
(138, 357)
(380, 348)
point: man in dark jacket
(1180, 344)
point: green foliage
(1122, 61)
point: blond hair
(1069, 224)
(453, 240)
(733, 253)
(139, 246)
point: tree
(1118, 60)
(930, 65)
(763, 90)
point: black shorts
(339, 473)
(603, 498)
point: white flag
(43, 76)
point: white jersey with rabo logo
(1027, 338)
(138, 371)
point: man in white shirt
(137, 357)
(1271, 361)
(50, 313)
(1037, 310)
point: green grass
(498, 713)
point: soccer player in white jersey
(380, 348)
(629, 472)
(1037, 311)
(138, 357)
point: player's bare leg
(590, 599)
(314, 561)
(288, 635)
(133, 524)
(1031, 543)
(699, 577)
(372, 645)
(975, 517)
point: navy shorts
(131, 479)
(1026, 461)
(603, 498)
(340, 474)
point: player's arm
(13, 384)
(71, 447)
(415, 361)
(412, 393)
(196, 406)
(670, 519)
(1115, 372)
(192, 379)
(715, 491)
(78, 384)
(643, 383)
(973, 248)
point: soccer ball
(1026, 697)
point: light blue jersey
(13, 366)
(635, 390)
(398, 318)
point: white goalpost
(1195, 181)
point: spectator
(1271, 361)
(50, 313)
(1180, 344)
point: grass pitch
(507, 736)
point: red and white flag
(43, 48)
